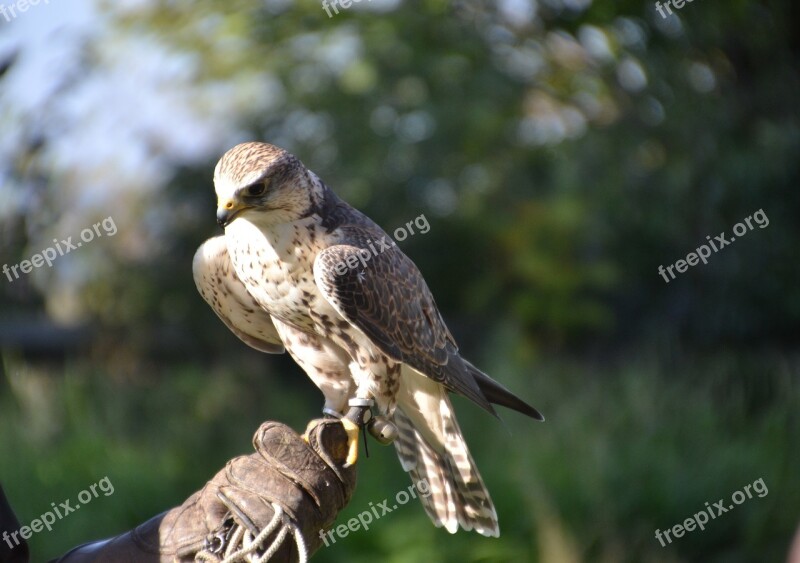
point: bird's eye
(256, 189)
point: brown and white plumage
(227, 295)
(370, 331)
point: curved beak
(227, 211)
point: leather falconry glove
(266, 506)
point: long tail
(432, 450)
(498, 394)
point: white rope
(300, 541)
(242, 546)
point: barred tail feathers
(432, 450)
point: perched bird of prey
(291, 273)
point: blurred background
(562, 150)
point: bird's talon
(309, 427)
(351, 428)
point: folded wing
(219, 285)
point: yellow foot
(352, 441)
(309, 427)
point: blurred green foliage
(628, 448)
(561, 156)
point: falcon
(294, 272)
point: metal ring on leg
(356, 402)
(327, 411)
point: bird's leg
(327, 412)
(352, 422)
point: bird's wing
(385, 296)
(219, 285)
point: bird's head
(262, 183)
